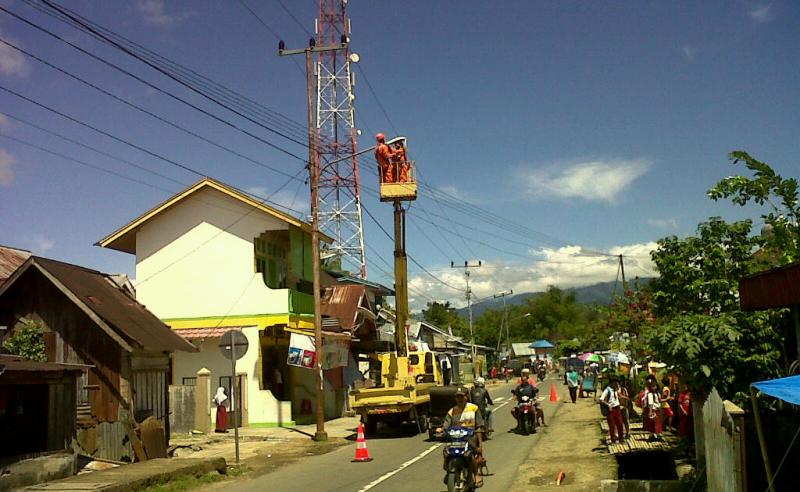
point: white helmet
(479, 382)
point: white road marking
(500, 398)
(400, 468)
(498, 407)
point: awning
(213, 332)
(325, 333)
(786, 389)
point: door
(226, 382)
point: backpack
(640, 399)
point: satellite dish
(354, 58)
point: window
(413, 359)
(189, 381)
(271, 261)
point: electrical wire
(143, 110)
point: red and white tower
(339, 194)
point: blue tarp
(786, 389)
(541, 344)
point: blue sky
(588, 124)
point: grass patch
(188, 482)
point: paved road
(402, 462)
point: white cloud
(601, 180)
(12, 62)
(570, 266)
(41, 244)
(663, 223)
(154, 13)
(761, 13)
(689, 51)
(6, 168)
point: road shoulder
(570, 444)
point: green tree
(782, 243)
(701, 274)
(443, 315)
(27, 341)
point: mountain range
(599, 293)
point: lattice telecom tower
(339, 194)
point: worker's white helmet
(479, 382)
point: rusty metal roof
(10, 260)
(15, 363)
(775, 288)
(342, 302)
(98, 294)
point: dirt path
(570, 444)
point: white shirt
(610, 396)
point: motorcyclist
(467, 415)
(524, 388)
(480, 397)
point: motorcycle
(487, 421)
(542, 373)
(458, 454)
(526, 415)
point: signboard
(233, 339)
(302, 351)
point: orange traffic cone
(553, 395)
(361, 446)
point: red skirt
(222, 419)
(652, 424)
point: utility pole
(622, 269)
(466, 268)
(505, 320)
(314, 172)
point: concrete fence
(723, 439)
(190, 406)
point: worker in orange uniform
(402, 164)
(384, 155)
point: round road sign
(233, 339)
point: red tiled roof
(213, 332)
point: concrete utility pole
(314, 171)
(504, 323)
(466, 268)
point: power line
(142, 110)
(109, 135)
(164, 91)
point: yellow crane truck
(401, 390)
(403, 380)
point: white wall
(189, 266)
(262, 407)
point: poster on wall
(302, 351)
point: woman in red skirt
(222, 412)
(685, 425)
(651, 409)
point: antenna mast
(339, 190)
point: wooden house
(93, 319)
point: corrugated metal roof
(342, 302)
(776, 288)
(98, 293)
(10, 260)
(14, 363)
(521, 349)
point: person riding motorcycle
(467, 415)
(524, 388)
(480, 397)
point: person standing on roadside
(610, 398)
(572, 383)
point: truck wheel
(371, 426)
